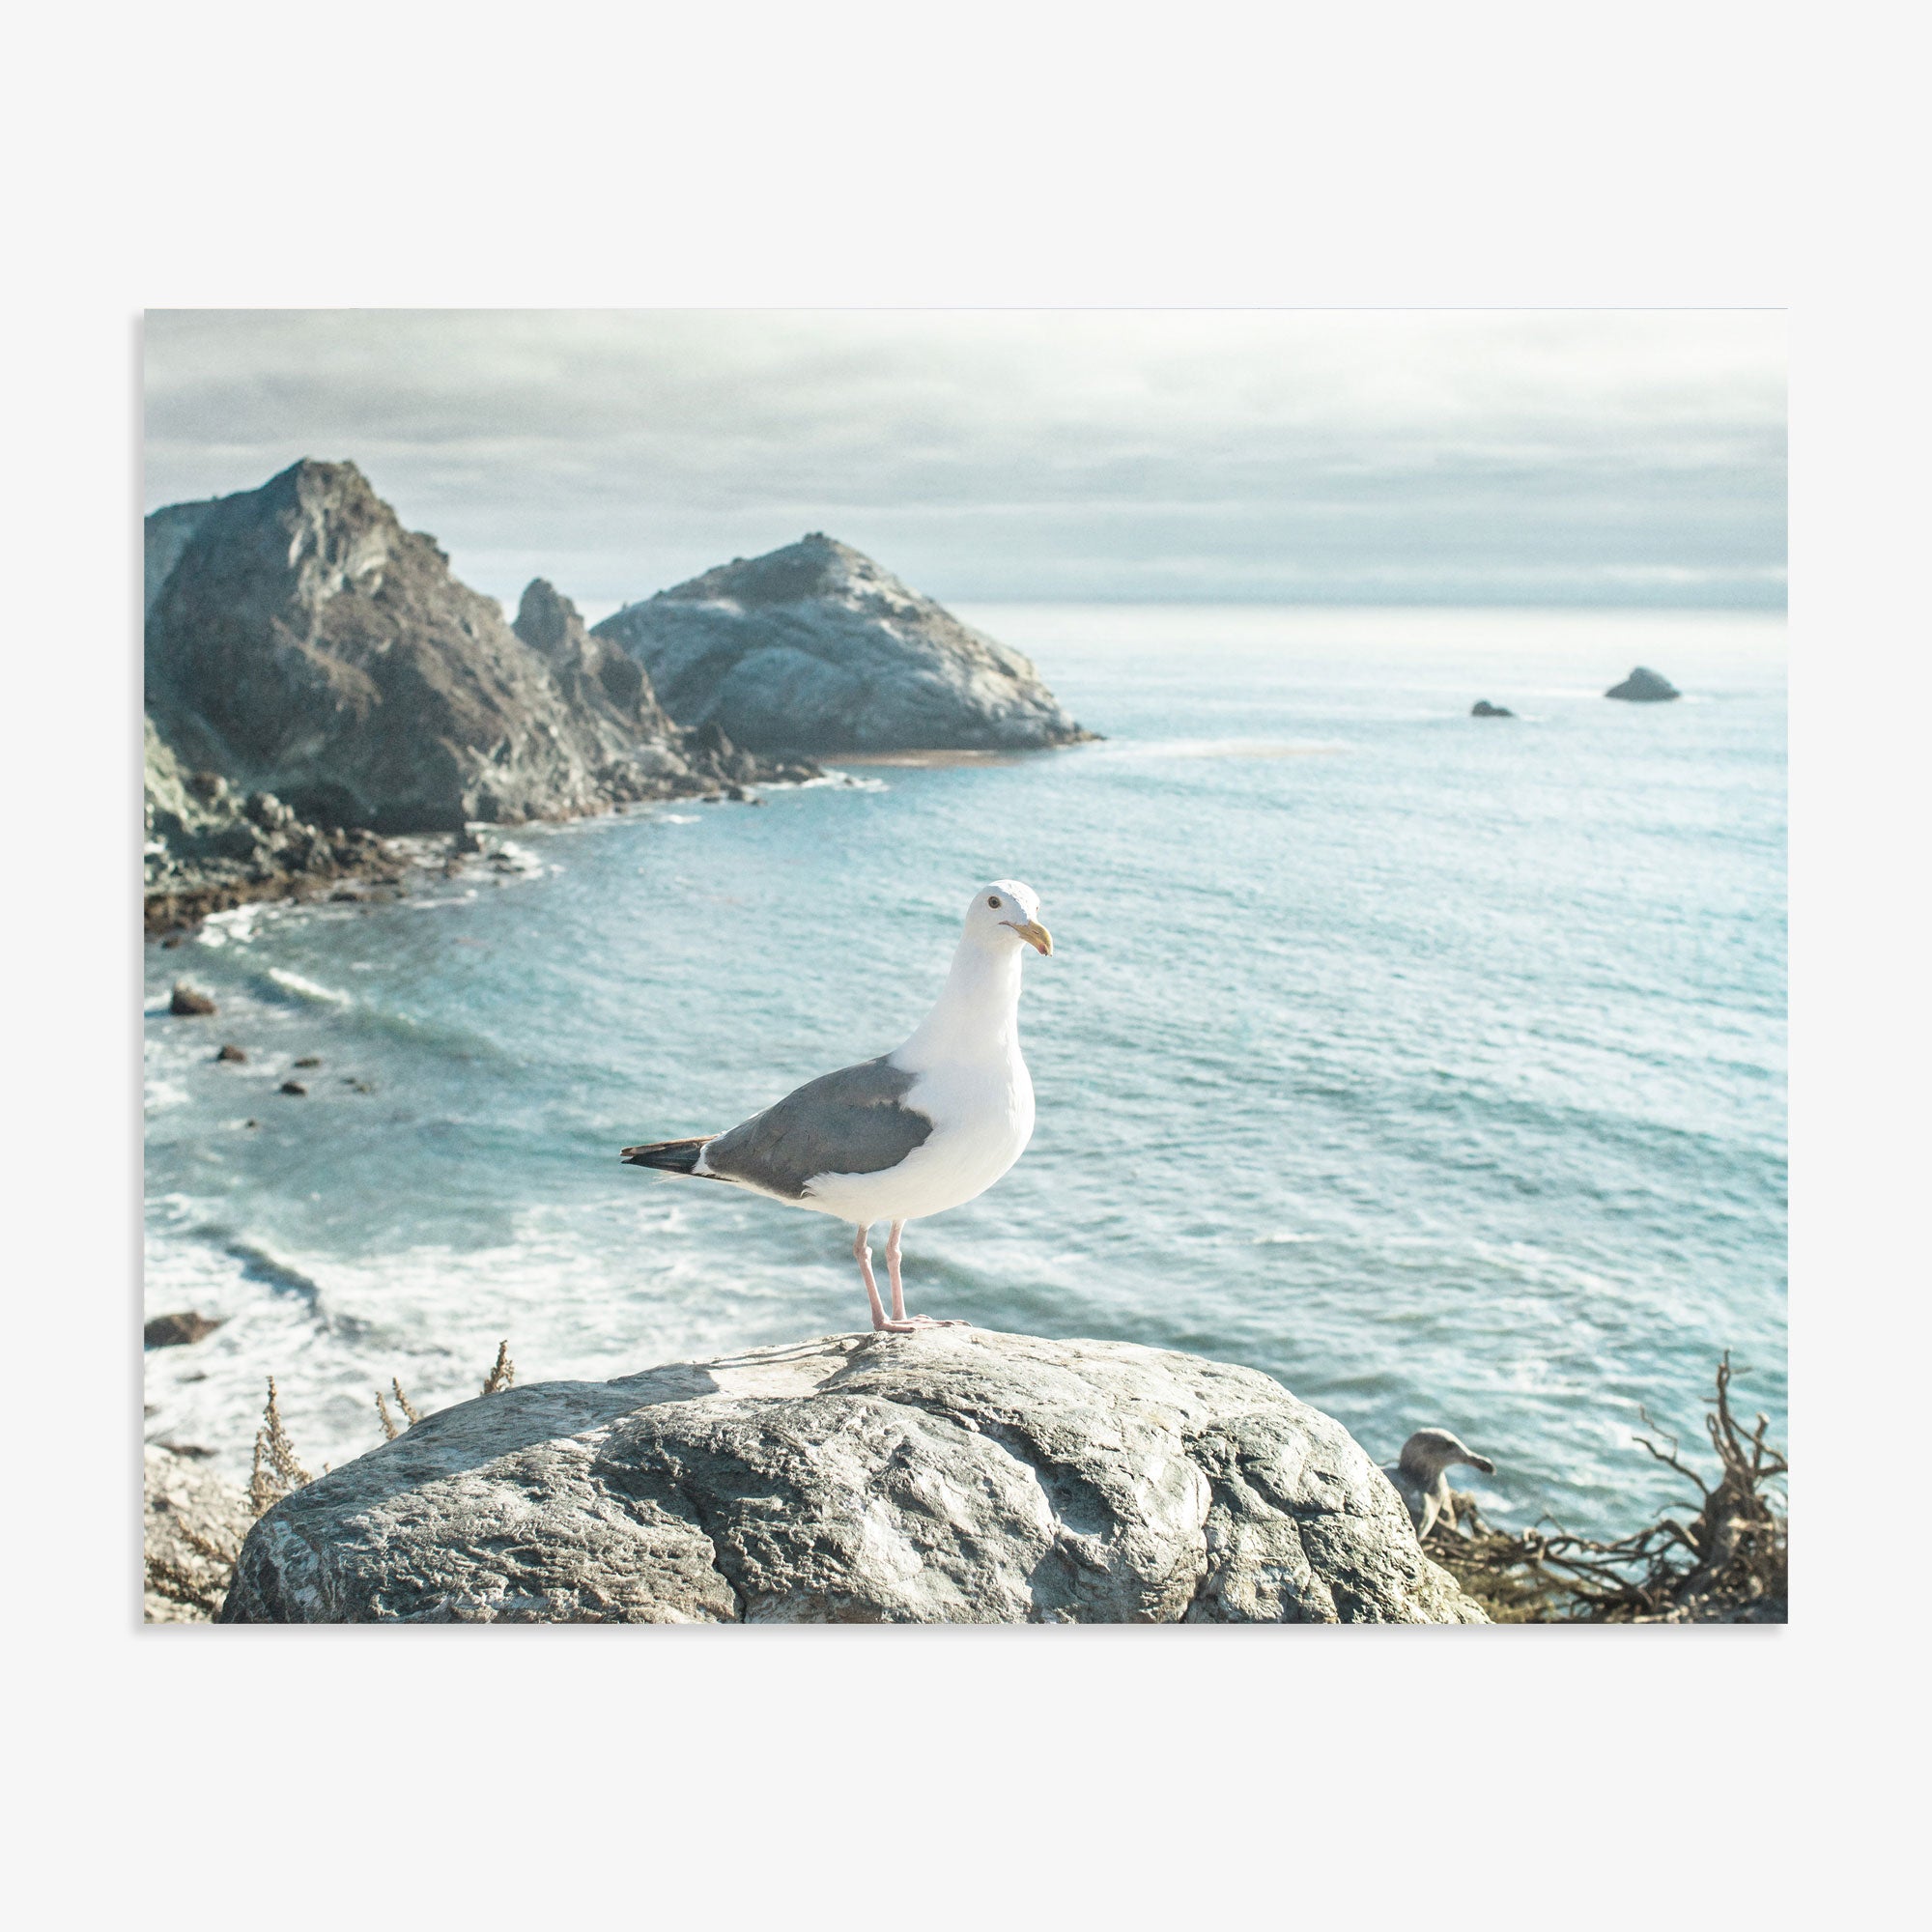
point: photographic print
(964, 966)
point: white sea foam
(308, 989)
(239, 925)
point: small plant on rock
(505, 1374)
(277, 1470)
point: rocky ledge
(816, 648)
(955, 1475)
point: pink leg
(893, 1269)
(862, 1252)
(901, 1318)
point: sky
(1224, 456)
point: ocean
(1434, 1065)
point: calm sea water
(1434, 1065)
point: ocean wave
(308, 989)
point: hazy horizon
(1323, 459)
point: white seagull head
(1005, 915)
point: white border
(866, 155)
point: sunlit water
(1434, 1065)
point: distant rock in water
(816, 648)
(1483, 708)
(1644, 686)
(303, 644)
(179, 1331)
(186, 1003)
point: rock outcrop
(952, 1475)
(1483, 708)
(207, 846)
(814, 648)
(1644, 686)
(318, 678)
(305, 643)
(590, 671)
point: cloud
(1466, 456)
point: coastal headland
(322, 689)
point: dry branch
(1727, 1561)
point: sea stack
(1644, 686)
(816, 648)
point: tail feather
(672, 1157)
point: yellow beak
(1035, 934)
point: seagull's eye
(994, 902)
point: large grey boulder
(301, 642)
(950, 1475)
(816, 648)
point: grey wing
(851, 1122)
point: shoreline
(373, 868)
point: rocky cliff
(316, 676)
(165, 534)
(305, 643)
(816, 648)
(953, 1475)
(591, 673)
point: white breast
(981, 1117)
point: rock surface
(1483, 708)
(192, 1528)
(814, 648)
(952, 1475)
(1644, 686)
(165, 534)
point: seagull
(927, 1126)
(1420, 1475)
